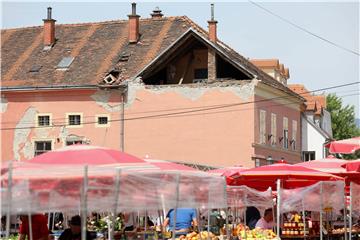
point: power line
(305, 30)
(167, 115)
(204, 108)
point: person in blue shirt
(185, 218)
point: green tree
(342, 118)
(342, 122)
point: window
(42, 147)
(65, 63)
(74, 119)
(102, 120)
(293, 135)
(262, 136)
(68, 143)
(43, 120)
(257, 162)
(273, 129)
(308, 155)
(285, 133)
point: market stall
(346, 146)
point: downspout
(122, 117)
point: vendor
(74, 232)
(185, 218)
(266, 222)
(39, 227)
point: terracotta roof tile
(266, 63)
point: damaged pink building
(159, 86)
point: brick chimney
(212, 26)
(156, 14)
(49, 29)
(211, 53)
(133, 25)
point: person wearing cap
(74, 232)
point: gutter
(30, 88)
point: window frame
(67, 120)
(102, 125)
(294, 134)
(43, 115)
(273, 129)
(285, 144)
(37, 140)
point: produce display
(198, 236)
(294, 229)
(243, 232)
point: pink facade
(208, 125)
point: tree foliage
(342, 118)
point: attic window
(35, 69)
(65, 63)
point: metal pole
(345, 214)
(226, 210)
(31, 237)
(303, 214)
(176, 204)
(321, 210)
(122, 122)
(351, 209)
(116, 200)
(84, 204)
(9, 199)
(278, 188)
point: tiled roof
(313, 102)
(263, 63)
(98, 48)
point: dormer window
(65, 63)
(109, 79)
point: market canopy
(228, 171)
(330, 165)
(352, 166)
(292, 176)
(346, 146)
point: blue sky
(247, 28)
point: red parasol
(352, 165)
(330, 165)
(84, 155)
(292, 176)
(228, 171)
(346, 146)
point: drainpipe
(122, 117)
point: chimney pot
(133, 25)
(156, 14)
(49, 29)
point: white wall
(312, 139)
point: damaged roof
(96, 49)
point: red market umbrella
(330, 165)
(352, 166)
(346, 146)
(292, 176)
(168, 165)
(227, 171)
(84, 155)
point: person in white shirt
(266, 222)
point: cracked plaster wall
(4, 104)
(102, 97)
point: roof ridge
(95, 23)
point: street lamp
(269, 160)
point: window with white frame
(285, 133)
(102, 120)
(43, 120)
(262, 132)
(273, 129)
(293, 135)
(308, 155)
(74, 119)
(42, 147)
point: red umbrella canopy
(330, 165)
(346, 146)
(228, 171)
(292, 176)
(352, 166)
(84, 155)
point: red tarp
(292, 176)
(228, 171)
(330, 165)
(346, 146)
(352, 165)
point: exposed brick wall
(212, 31)
(211, 65)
